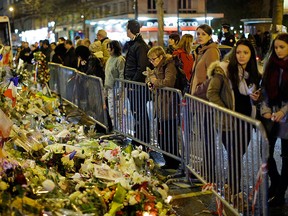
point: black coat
(136, 60)
(92, 66)
(70, 58)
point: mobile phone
(257, 91)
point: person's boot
(274, 177)
(279, 198)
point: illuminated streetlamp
(11, 9)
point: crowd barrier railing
(149, 116)
(81, 90)
(227, 151)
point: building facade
(68, 18)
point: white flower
(137, 178)
(132, 200)
(143, 156)
(48, 185)
(108, 155)
(125, 183)
(135, 153)
(76, 177)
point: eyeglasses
(153, 59)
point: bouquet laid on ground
(52, 166)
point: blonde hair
(102, 33)
(186, 43)
(158, 50)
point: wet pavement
(188, 198)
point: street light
(11, 9)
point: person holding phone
(274, 110)
(234, 83)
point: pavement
(188, 199)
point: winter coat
(220, 91)
(70, 58)
(136, 60)
(165, 74)
(205, 56)
(114, 69)
(187, 61)
(106, 54)
(93, 66)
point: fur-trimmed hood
(217, 67)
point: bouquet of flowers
(41, 68)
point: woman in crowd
(274, 110)
(164, 75)
(206, 52)
(234, 84)
(184, 52)
(173, 40)
(114, 68)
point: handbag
(201, 89)
(280, 129)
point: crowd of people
(231, 80)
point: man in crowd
(227, 39)
(102, 37)
(70, 58)
(136, 63)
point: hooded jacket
(220, 89)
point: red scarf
(277, 92)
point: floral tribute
(41, 68)
(51, 166)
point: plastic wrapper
(5, 125)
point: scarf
(277, 81)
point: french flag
(11, 91)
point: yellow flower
(3, 185)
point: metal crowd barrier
(227, 151)
(149, 117)
(80, 90)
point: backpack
(181, 82)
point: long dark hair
(251, 68)
(270, 76)
(115, 45)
